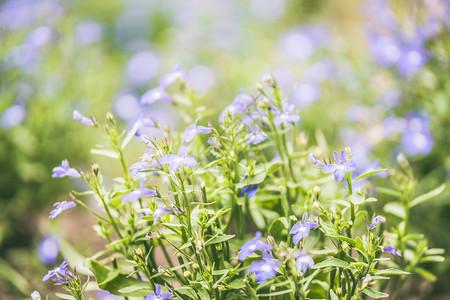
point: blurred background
(373, 75)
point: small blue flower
(240, 105)
(144, 122)
(48, 250)
(35, 296)
(157, 295)
(286, 115)
(77, 116)
(192, 130)
(376, 221)
(147, 162)
(156, 94)
(64, 169)
(340, 167)
(264, 269)
(252, 245)
(301, 229)
(170, 78)
(60, 207)
(313, 159)
(60, 273)
(392, 250)
(175, 161)
(303, 261)
(250, 190)
(255, 136)
(136, 194)
(159, 212)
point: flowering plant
(196, 199)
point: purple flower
(170, 78)
(175, 161)
(64, 169)
(157, 295)
(305, 93)
(144, 122)
(301, 230)
(313, 159)
(417, 138)
(286, 115)
(392, 250)
(60, 207)
(240, 105)
(60, 273)
(252, 245)
(412, 60)
(159, 212)
(141, 191)
(35, 296)
(147, 162)
(255, 136)
(264, 269)
(13, 116)
(340, 167)
(377, 221)
(303, 261)
(48, 250)
(88, 33)
(250, 190)
(77, 116)
(192, 130)
(155, 94)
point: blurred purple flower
(320, 71)
(60, 207)
(48, 249)
(303, 261)
(88, 33)
(255, 136)
(301, 43)
(105, 295)
(144, 122)
(192, 130)
(13, 116)
(159, 212)
(339, 168)
(138, 193)
(142, 67)
(392, 250)
(64, 169)
(286, 115)
(155, 94)
(126, 106)
(387, 51)
(157, 295)
(202, 78)
(240, 105)
(175, 161)
(417, 138)
(264, 269)
(173, 76)
(412, 60)
(77, 116)
(377, 221)
(41, 36)
(301, 230)
(305, 93)
(252, 245)
(60, 273)
(35, 296)
(313, 159)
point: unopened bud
(268, 79)
(402, 161)
(339, 291)
(202, 185)
(161, 269)
(259, 86)
(273, 288)
(109, 117)
(95, 168)
(302, 139)
(293, 218)
(187, 274)
(199, 246)
(195, 266)
(344, 245)
(348, 151)
(271, 240)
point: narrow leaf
(332, 262)
(374, 294)
(428, 196)
(368, 174)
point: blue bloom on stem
(341, 166)
(175, 161)
(301, 229)
(392, 250)
(144, 122)
(155, 94)
(159, 212)
(146, 163)
(170, 78)
(264, 269)
(240, 105)
(254, 244)
(303, 261)
(377, 221)
(60, 207)
(285, 116)
(157, 295)
(313, 159)
(64, 169)
(77, 116)
(255, 136)
(60, 273)
(192, 130)
(250, 190)
(141, 191)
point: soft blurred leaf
(427, 196)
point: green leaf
(374, 294)
(359, 244)
(396, 209)
(218, 214)
(428, 196)
(368, 174)
(357, 199)
(279, 293)
(434, 258)
(425, 274)
(273, 167)
(118, 284)
(278, 226)
(217, 162)
(389, 192)
(331, 262)
(391, 272)
(343, 238)
(219, 239)
(130, 135)
(107, 153)
(435, 251)
(333, 296)
(64, 296)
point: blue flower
(136, 194)
(48, 250)
(170, 78)
(286, 115)
(376, 221)
(252, 245)
(175, 161)
(255, 136)
(250, 190)
(340, 167)
(147, 162)
(64, 169)
(144, 122)
(157, 295)
(60, 273)
(313, 159)
(192, 130)
(156, 94)
(35, 296)
(60, 207)
(264, 269)
(240, 105)
(417, 138)
(301, 229)
(303, 261)
(77, 116)
(392, 250)
(159, 212)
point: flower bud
(302, 139)
(402, 161)
(187, 274)
(345, 245)
(195, 266)
(293, 218)
(271, 240)
(348, 151)
(95, 168)
(110, 117)
(268, 79)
